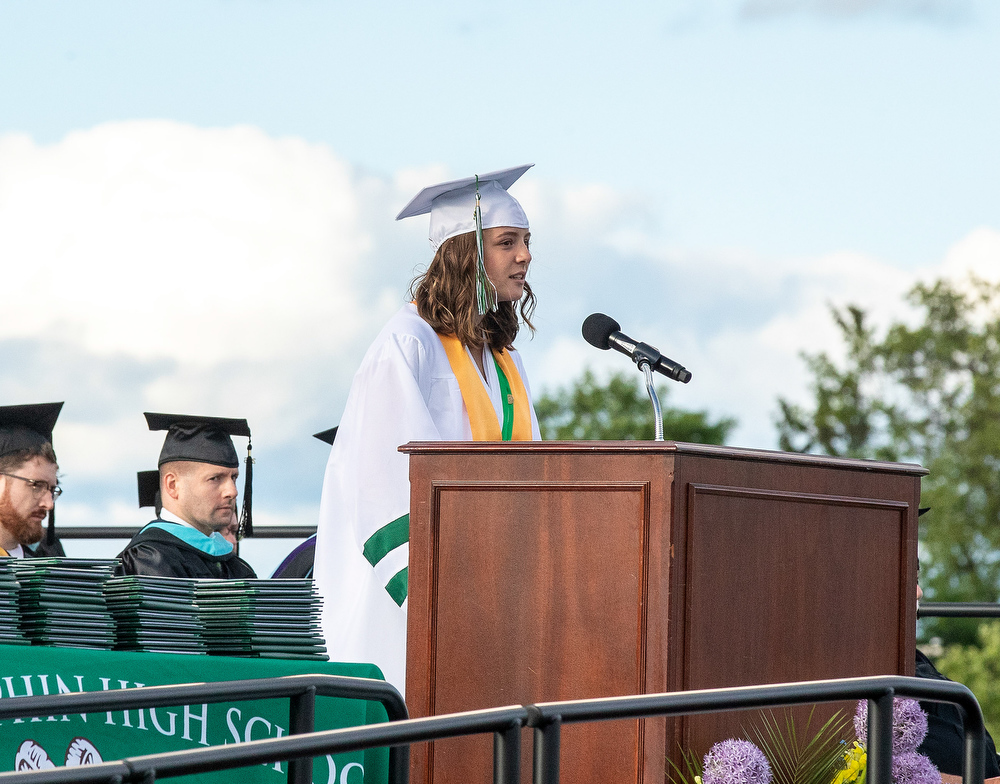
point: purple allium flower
(912, 768)
(909, 724)
(735, 762)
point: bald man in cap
(198, 469)
(28, 475)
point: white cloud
(159, 239)
(978, 254)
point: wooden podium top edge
(669, 447)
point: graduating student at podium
(443, 369)
(194, 501)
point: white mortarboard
(451, 205)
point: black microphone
(604, 332)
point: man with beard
(28, 475)
(198, 468)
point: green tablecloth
(36, 670)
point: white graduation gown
(404, 391)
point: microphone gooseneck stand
(654, 399)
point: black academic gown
(45, 550)
(158, 553)
(945, 739)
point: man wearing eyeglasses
(28, 475)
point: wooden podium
(568, 570)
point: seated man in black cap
(945, 740)
(28, 475)
(198, 468)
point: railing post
(880, 739)
(507, 755)
(301, 719)
(975, 750)
(399, 765)
(546, 751)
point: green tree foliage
(620, 410)
(927, 392)
(978, 667)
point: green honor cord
(507, 429)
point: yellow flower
(855, 763)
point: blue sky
(790, 132)
(710, 173)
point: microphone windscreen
(597, 328)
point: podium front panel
(520, 574)
(752, 578)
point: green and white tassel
(486, 292)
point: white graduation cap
(452, 204)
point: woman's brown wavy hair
(445, 296)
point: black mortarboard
(27, 427)
(327, 436)
(199, 439)
(207, 440)
(149, 489)
(30, 427)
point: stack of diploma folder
(61, 601)
(10, 612)
(156, 614)
(276, 619)
(260, 618)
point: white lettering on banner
(232, 727)
(250, 724)
(156, 723)
(331, 768)
(200, 723)
(347, 769)
(106, 686)
(203, 718)
(248, 731)
(62, 688)
(44, 678)
(344, 773)
(126, 715)
(261, 720)
(9, 680)
(277, 765)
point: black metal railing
(958, 610)
(127, 532)
(546, 719)
(301, 690)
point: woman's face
(507, 258)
